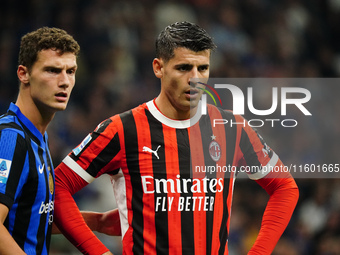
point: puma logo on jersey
(147, 149)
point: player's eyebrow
(59, 67)
(73, 67)
(205, 66)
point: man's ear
(157, 65)
(23, 74)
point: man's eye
(203, 68)
(183, 68)
(71, 71)
(53, 70)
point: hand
(107, 253)
(109, 223)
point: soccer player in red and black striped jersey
(154, 153)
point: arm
(67, 216)
(284, 195)
(7, 243)
(107, 223)
(280, 186)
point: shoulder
(129, 114)
(10, 125)
(217, 111)
(136, 110)
(117, 121)
(12, 137)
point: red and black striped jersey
(173, 180)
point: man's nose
(64, 79)
(194, 73)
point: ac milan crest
(215, 151)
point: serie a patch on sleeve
(81, 146)
(5, 166)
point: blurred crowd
(255, 38)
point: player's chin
(60, 106)
(194, 103)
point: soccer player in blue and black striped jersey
(46, 71)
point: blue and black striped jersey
(26, 182)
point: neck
(169, 110)
(39, 118)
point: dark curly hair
(182, 34)
(43, 39)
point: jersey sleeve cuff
(78, 169)
(265, 169)
(6, 200)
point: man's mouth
(62, 96)
(191, 92)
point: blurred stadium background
(255, 38)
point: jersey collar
(179, 124)
(14, 108)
